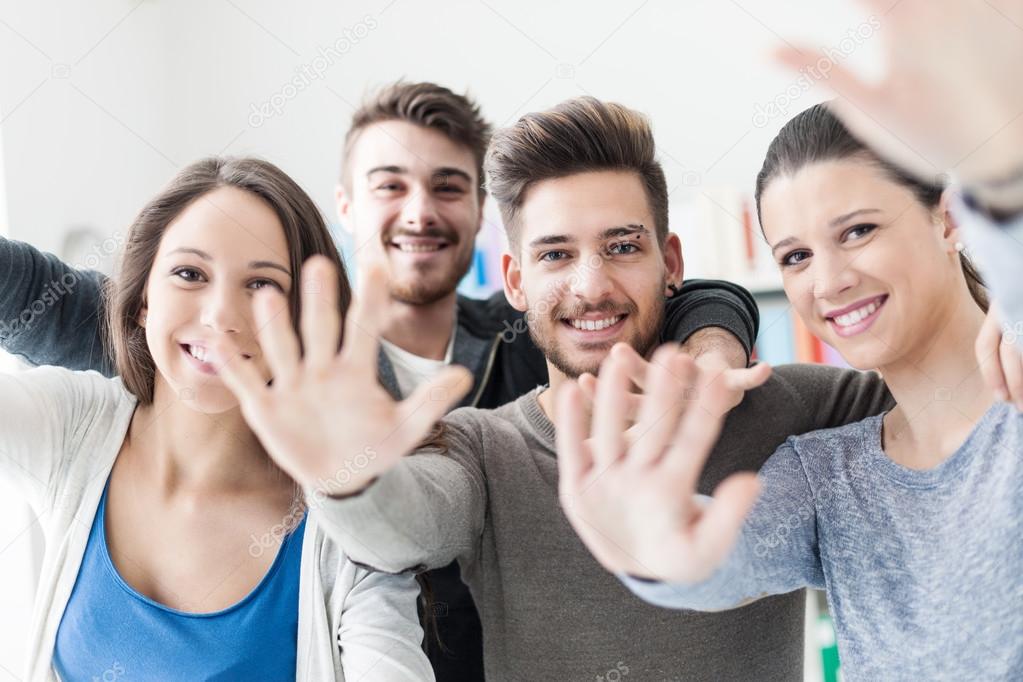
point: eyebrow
(254, 265)
(443, 172)
(610, 233)
(835, 222)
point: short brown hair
(577, 136)
(428, 105)
(305, 232)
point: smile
(595, 325)
(858, 318)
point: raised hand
(630, 492)
(950, 98)
(735, 380)
(1001, 360)
(326, 420)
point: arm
(998, 249)
(46, 414)
(380, 637)
(713, 315)
(830, 397)
(422, 514)
(776, 551)
(50, 312)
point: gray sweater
(923, 569)
(549, 610)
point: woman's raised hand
(326, 419)
(629, 489)
(950, 98)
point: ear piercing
(960, 247)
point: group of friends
(244, 469)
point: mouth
(419, 246)
(857, 318)
(595, 329)
(203, 358)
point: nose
(223, 310)
(832, 275)
(590, 280)
(420, 210)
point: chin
(210, 399)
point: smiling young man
(590, 257)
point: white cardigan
(60, 432)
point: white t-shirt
(411, 370)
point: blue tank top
(109, 631)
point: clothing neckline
(537, 418)
(412, 360)
(926, 478)
(108, 564)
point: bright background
(101, 102)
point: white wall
(103, 100)
(100, 102)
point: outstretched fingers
(366, 319)
(573, 457)
(321, 317)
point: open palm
(630, 491)
(326, 419)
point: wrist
(1001, 199)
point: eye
(793, 258)
(859, 231)
(258, 284)
(190, 275)
(552, 256)
(389, 187)
(623, 248)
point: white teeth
(857, 315)
(198, 353)
(595, 325)
(418, 248)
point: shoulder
(485, 316)
(73, 390)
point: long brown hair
(305, 232)
(817, 134)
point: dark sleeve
(519, 365)
(704, 303)
(50, 313)
(832, 396)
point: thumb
(431, 401)
(749, 378)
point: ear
(674, 267)
(344, 207)
(143, 316)
(512, 273)
(950, 233)
(479, 216)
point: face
(220, 250)
(412, 204)
(588, 270)
(870, 269)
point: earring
(960, 247)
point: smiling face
(412, 203)
(587, 268)
(212, 257)
(869, 268)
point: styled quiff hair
(428, 105)
(577, 136)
